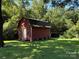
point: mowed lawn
(44, 49)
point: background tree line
(65, 23)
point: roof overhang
(41, 26)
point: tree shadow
(15, 52)
(48, 49)
(56, 49)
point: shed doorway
(24, 31)
(24, 34)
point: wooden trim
(48, 26)
(37, 26)
(42, 26)
(31, 35)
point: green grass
(46, 49)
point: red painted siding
(40, 32)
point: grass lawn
(46, 49)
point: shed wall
(40, 33)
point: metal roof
(38, 23)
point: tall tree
(1, 26)
(38, 10)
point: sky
(71, 4)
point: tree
(1, 27)
(15, 12)
(56, 18)
(37, 10)
(72, 23)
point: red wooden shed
(29, 29)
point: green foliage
(9, 8)
(69, 23)
(77, 25)
(72, 15)
(37, 10)
(10, 28)
(73, 31)
(56, 18)
(63, 22)
(72, 24)
(70, 33)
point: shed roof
(38, 23)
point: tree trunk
(1, 27)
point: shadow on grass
(49, 49)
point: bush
(72, 32)
(10, 28)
